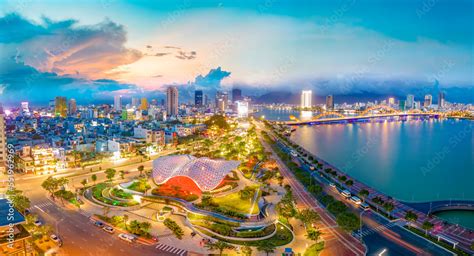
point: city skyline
(103, 52)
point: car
(193, 234)
(346, 193)
(38, 223)
(364, 206)
(98, 224)
(108, 229)
(312, 168)
(293, 153)
(127, 237)
(332, 185)
(27, 211)
(356, 200)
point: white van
(346, 193)
(356, 200)
(127, 237)
(364, 206)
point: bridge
(333, 117)
(442, 205)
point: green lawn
(234, 202)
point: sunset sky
(105, 47)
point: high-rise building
(135, 102)
(60, 106)
(118, 102)
(206, 100)
(198, 98)
(154, 102)
(236, 94)
(306, 96)
(329, 102)
(242, 108)
(410, 101)
(172, 101)
(72, 107)
(402, 105)
(222, 99)
(144, 104)
(441, 100)
(428, 100)
(25, 109)
(391, 101)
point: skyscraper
(118, 102)
(198, 98)
(60, 106)
(428, 100)
(72, 107)
(441, 100)
(172, 101)
(306, 98)
(410, 101)
(329, 102)
(222, 99)
(135, 102)
(144, 104)
(25, 109)
(391, 101)
(236, 94)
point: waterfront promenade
(448, 231)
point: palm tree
(427, 226)
(94, 178)
(313, 234)
(84, 182)
(140, 169)
(50, 185)
(122, 174)
(267, 248)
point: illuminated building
(242, 109)
(60, 106)
(172, 101)
(428, 100)
(25, 110)
(206, 173)
(410, 101)
(306, 98)
(135, 102)
(391, 101)
(222, 99)
(144, 104)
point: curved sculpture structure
(328, 114)
(206, 173)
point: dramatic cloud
(65, 48)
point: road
(343, 243)
(79, 235)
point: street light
(360, 225)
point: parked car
(332, 185)
(127, 237)
(108, 229)
(98, 224)
(346, 193)
(356, 200)
(312, 168)
(38, 223)
(364, 206)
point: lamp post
(360, 225)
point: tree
(140, 169)
(308, 216)
(315, 189)
(266, 247)
(125, 219)
(313, 234)
(410, 216)
(247, 250)
(19, 201)
(122, 174)
(84, 182)
(427, 226)
(51, 185)
(145, 227)
(364, 193)
(110, 174)
(219, 245)
(348, 221)
(94, 178)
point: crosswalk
(171, 249)
(44, 204)
(370, 231)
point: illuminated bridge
(369, 113)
